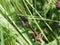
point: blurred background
(42, 15)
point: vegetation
(19, 19)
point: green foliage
(43, 17)
(55, 42)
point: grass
(43, 17)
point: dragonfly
(26, 22)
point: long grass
(43, 17)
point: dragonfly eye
(24, 19)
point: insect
(38, 37)
(25, 21)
